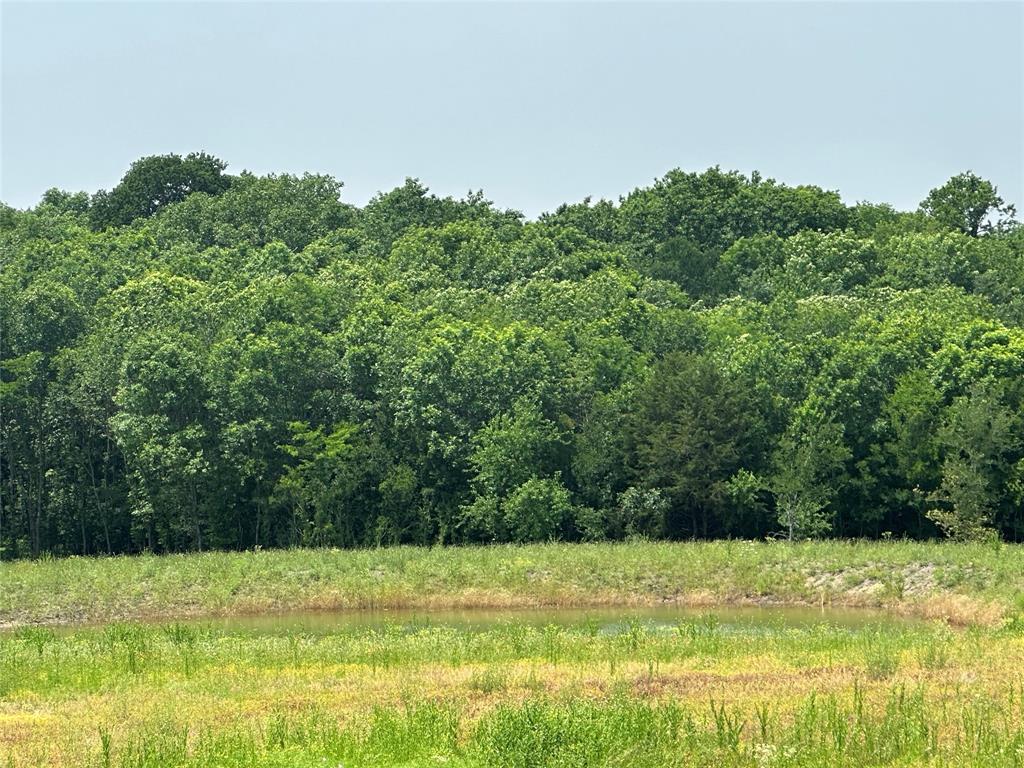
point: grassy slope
(965, 583)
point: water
(604, 620)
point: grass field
(629, 686)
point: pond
(604, 620)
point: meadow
(564, 655)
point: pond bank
(961, 584)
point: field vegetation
(635, 679)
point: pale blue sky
(537, 103)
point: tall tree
(693, 429)
(805, 478)
(154, 182)
(978, 432)
(970, 204)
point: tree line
(199, 360)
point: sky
(536, 103)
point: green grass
(823, 732)
(42, 662)
(700, 691)
(708, 687)
(964, 582)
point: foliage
(537, 509)
(641, 512)
(806, 468)
(966, 202)
(693, 428)
(195, 360)
(152, 183)
(979, 431)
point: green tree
(707, 352)
(693, 429)
(537, 510)
(970, 204)
(805, 475)
(157, 181)
(684, 262)
(162, 428)
(640, 512)
(924, 260)
(513, 447)
(319, 483)
(258, 211)
(913, 411)
(978, 433)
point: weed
(488, 681)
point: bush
(641, 512)
(536, 510)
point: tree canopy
(153, 182)
(202, 360)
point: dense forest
(197, 360)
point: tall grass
(933, 578)
(84, 660)
(702, 688)
(905, 729)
